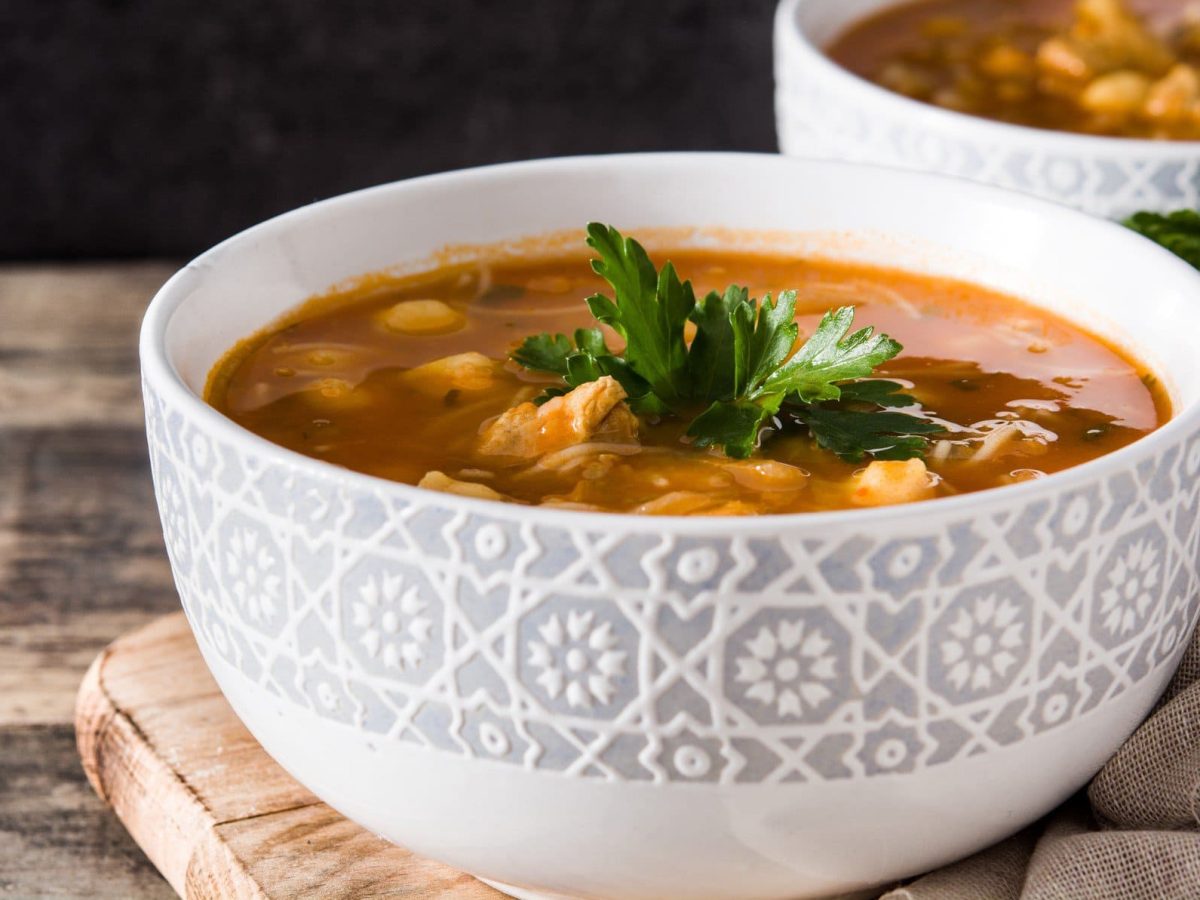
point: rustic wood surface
(81, 562)
(217, 815)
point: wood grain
(69, 343)
(215, 814)
(81, 561)
(56, 838)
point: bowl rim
(160, 374)
(801, 48)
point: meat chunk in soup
(589, 411)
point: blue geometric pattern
(652, 653)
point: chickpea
(463, 372)
(1063, 59)
(422, 317)
(1174, 96)
(1098, 16)
(1121, 92)
(1005, 62)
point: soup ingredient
(440, 481)
(1013, 391)
(422, 317)
(1091, 66)
(851, 433)
(589, 412)
(740, 363)
(1179, 232)
(887, 482)
(468, 372)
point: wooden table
(81, 561)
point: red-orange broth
(333, 381)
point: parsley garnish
(1179, 232)
(739, 372)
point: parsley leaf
(734, 425)
(544, 353)
(829, 356)
(879, 391)
(713, 366)
(739, 367)
(852, 433)
(770, 337)
(650, 310)
(1179, 232)
(821, 370)
(587, 360)
(760, 338)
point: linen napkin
(1133, 835)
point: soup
(1104, 67)
(434, 380)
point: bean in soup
(1103, 67)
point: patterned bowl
(604, 706)
(824, 111)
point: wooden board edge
(152, 801)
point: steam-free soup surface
(1122, 68)
(1019, 392)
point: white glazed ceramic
(602, 706)
(824, 111)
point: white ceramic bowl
(768, 707)
(824, 111)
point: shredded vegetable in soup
(1124, 68)
(722, 383)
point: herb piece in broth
(1179, 232)
(824, 369)
(740, 364)
(851, 429)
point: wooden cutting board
(215, 814)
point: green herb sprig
(740, 372)
(1179, 232)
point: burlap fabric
(1135, 835)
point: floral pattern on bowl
(649, 655)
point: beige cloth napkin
(1134, 836)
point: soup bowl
(756, 701)
(822, 110)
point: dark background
(141, 128)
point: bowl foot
(522, 893)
